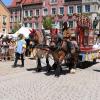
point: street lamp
(96, 23)
(21, 14)
(99, 23)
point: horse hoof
(38, 70)
(72, 71)
(57, 76)
(48, 69)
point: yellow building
(4, 18)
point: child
(20, 50)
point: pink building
(62, 10)
(30, 13)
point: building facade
(4, 18)
(26, 12)
(92, 9)
(30, 13)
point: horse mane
(39, 35)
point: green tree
(47, 22)
(16, 27)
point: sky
(7, 2)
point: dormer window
(18, 2)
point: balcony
(36, 16)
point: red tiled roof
(25, 2)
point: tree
(16, 27)
(47, 22)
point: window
(11, 12)
(36, 25)
(15, 11)
(11, 19)
(79, 9)
(71, 9)
(61, 10)
(71, 0)
(26, 13)
(65, 1)
(53, 1)
(54, 11)
(71, 24)
(37, 12)
(4, 30)
(87, 8)
(16, 19)
(25, 25)
(30, 25)
(31, 13)
(4, 19)
(45, 11)
(11, 29)
(60, 24)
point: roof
(24, 2)
(4, 6)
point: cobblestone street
(25, 84)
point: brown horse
(61, 53)
(41, 49)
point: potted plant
(25, 18)
(69, 15)
(29, 17)
(36, 16)
(60, 15)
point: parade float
(86, 38)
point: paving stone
(21, 84)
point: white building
(92, 9)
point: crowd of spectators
(7, 48)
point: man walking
(20, 50)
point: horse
(58, 49)
(60, 52)
(40, 49)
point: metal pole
(99, 24)
(21, 15)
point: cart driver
(67, 36)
